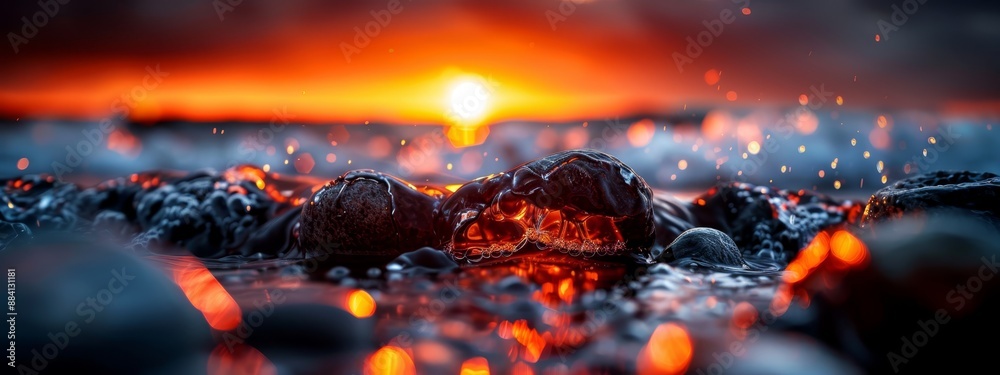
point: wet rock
(768, 222)
(114, 223)
(39, 201)
(367, 213)
(582, 203)
(209, 214)
(705, 244)
(423, 261)
(83, 307)
(929, 290)
(943, 191)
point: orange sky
(605, 59)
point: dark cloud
(944, 52)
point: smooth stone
(706, 244)
(138, 318)
(931, 281)
(423, 261)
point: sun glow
(467, 110)
(468, 101)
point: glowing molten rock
(581, 203)
(367, 213)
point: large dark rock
(765, 221)
(83, 307)
(367, 213)
(583, 203)
(971, 193)
(928, 296)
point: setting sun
(468, 101)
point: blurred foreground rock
(85, 308)
(929, 295)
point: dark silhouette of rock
(364, 212)
(971, 193)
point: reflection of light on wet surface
(207, 295)
(239, 359)
(573, 313)
(475, 366)
(669, 351)
(808, 258)
(360, 304)
(390, 360)
(848, 248)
